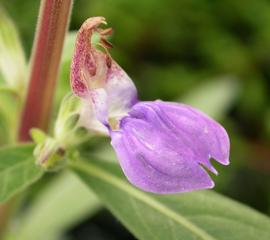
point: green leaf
(214, 97)
(38, 135)
(17, 170)
(63, 203)
(9, 110)
(13, 65)
(197, 215)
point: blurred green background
(214, 55)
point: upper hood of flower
(97, 78)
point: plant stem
(45, 59)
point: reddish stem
(45, 59)
(49, 38)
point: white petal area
(89, 119)
(121, 91)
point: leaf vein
(99, 173)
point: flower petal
(122, 93)
(87, 67)
(161, 147)
(90, 119)
(95, 76)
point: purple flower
(162, 147)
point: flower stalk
(45, 59)
(49, 39)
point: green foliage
(17, 170)
(38, 135)
(12, 59)
(63, 86)
(9, 110)
(63, 203)
(12, 77)
(199, 215)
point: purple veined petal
(210, 139)
(161, 147)
(95, 76)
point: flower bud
(50, 155)
(51, 152)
